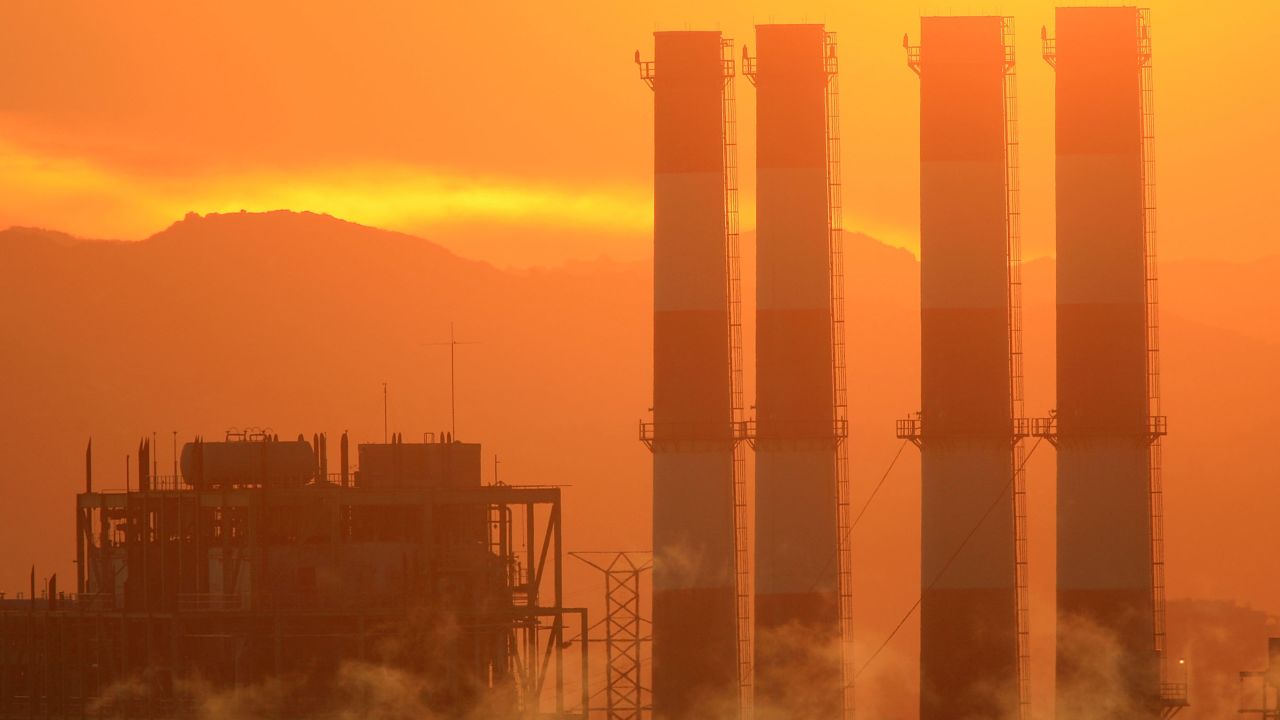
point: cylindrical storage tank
(694, 615)
(797, 665)
(968, 611)
(1105, 600)
(248, 463)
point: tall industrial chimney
(972, 614)
(1110, 565)
(800, 425)
(693, 434)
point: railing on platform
(205, 602)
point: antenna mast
(453, 343)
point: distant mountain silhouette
(20, 236)
(294, 321)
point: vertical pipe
(695, 670)
(586, 660)
(558, 556)
(1104, 476)
(345, 459)
(82, 532)
(103, 568)
(162, 537)
(796, 581)
(968, 616)
(143, 523)
(531, 635)
(80, 539)
(201, 550)
(324, 457)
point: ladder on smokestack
(1013, 240)
(839, 391)
(1173, 695)
(733, 277)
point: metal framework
(741, 534)
(911, 428)
(648, 70)
(625, 632)
(1264, 685)
(835, 230)
(1048, 48)
(913, 54)
(172, 583)
(1013, 239)
(1173, 695)
(1267, 705)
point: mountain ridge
(297, 324)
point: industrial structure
(1108, 424)
(626, 634)
(1260, 689)
(802, 588)
(973, 608)
(255, 565)
(700, 598)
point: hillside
(294, 321)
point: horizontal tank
(253, 462)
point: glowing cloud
(82, 197)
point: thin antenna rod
(453, 398)
(384, 413)
(453, 344)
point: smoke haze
(293, 321)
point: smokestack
(694, 598)
(197, 463)
(88, 467)
(345, 459)
(1108, 422)
(970, 644)
(797, 602)
(144, 466)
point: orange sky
(519, 133)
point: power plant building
(257, 568)
(253, 563)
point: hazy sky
(519, 132)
